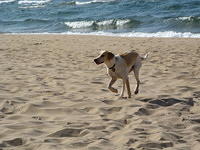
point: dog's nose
(95, 60)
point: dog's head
(103, 57)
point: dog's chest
(114, 74)
(120, 70)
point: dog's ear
(110, 55)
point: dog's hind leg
(113, 80)
(128, 88)
(123, 88)
(136, 70)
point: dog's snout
(98, 61)
(95, 60)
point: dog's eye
(102, 55)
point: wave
(167, 34)
(190, 18)
(39, 6)
(105, 23)
(191, 23)
(6, 1)
(33, 6)
(36, 20)
(87, 2)
(29, 20)
(26, 2)
(79, 24)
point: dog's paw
(123, 97)
(114, 90)
(136, 92)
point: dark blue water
(123, 17)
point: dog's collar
(112, 68)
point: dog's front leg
(113, 80)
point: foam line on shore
(167, 34)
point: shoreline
(165, 34)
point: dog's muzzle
(96, 61)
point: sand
(54, 97)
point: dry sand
(53, 97)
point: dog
(119, 66)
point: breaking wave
(6, 1)
(87, 2)
(26, 2)
(113, 23)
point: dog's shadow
(151, 104)
(165, 102)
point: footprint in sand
(97, 82)
(109, 102)
(111, 109)
(131, 141)
(197, 94)
(13, 142)
(186, 88)
(7, 107)
(80, 144)
(68, 132)
(156, 145)
(143, 111)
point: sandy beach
(54, 97)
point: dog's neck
(110, 63)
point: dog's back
(130, 58)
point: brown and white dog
(119, 66)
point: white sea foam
(34, 6)
(79, 24)
(183, 18)
(112, 21)
(84, 24)
(93, 1)
(25, 2)
(84, 3)
(122, 22)
(6, 1)
(167, 34)
(186, 18)
(104, 23)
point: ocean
(127, 18)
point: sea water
(127, 18)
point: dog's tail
(145, 56)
